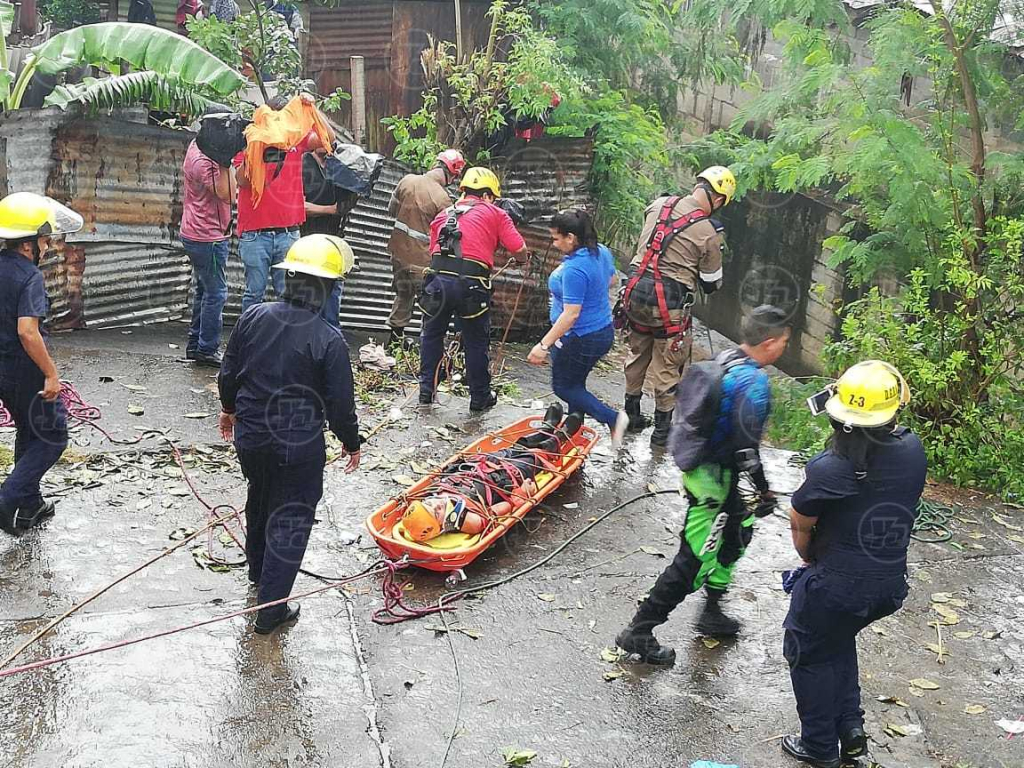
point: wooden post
(358, 68)
(28, 19)
(458, 31)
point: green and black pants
(717, 529)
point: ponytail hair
(577, 222)
(857, 445)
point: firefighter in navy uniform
(29, 383)
(286, 372)
(463, 240)
(680, 250)
(851, 522)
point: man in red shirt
(204, 232)
(463, 240)
(267, 231)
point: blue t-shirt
(22, 294)
(583, 278)
(745, 406)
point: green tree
(172, 70)
(928, 202)
(468, 100)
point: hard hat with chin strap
(721, 180)
(324, 256)
(481, 180)
(453, 160)
(25, 215)
(869, 394)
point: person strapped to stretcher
(481, 489)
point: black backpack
(698, 401)
(221, 137)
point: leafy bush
(792, 426)
(67, 14)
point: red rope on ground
(395, 611)
(380, 567)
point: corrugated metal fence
(127, 267)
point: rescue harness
(450, 260)
(665, 231)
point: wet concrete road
(341, 691)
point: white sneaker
(619, 430)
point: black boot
(854, 743)
(662, 428)
(712, 622)
(396, 339)
(793, 747)
(552, 418)
(571, 425)
(270, 619)
(637, 421)
(639, 640)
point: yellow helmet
(869, 394)
(482, 179)
(26, 214)
(319, 255)
(721, 180)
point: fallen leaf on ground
(941, 597)
(136, 410)
(710, 643)
(197, 415)
(418, 468)
(106, 379)
(609, 676)
(546, 597)
(949, 616)
(924, 684)
(893, 700)
(964, 635)
(181, 533)
(880, 631)
(515, 756)
(1016, 539)
(974, 709)
(574, 505)
(976, 536)
(903, 730)
(612, 655)
(1015, 727)
(651, 551)
(134, 387)
(403, 479)
(1006, 523)
(991, 634)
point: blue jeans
(209, 263)
(259, 252)
(40, 439)
(572, 360)
(331, 311)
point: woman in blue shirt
(581, 318)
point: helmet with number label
(869, 394)
(326, 256)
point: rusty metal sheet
(123, 178)
(357, 29)
(131, 283)
(26, 143)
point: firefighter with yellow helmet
(851, 522)
(463, 240)
(286, 373)
(29, 382)
(679, 253)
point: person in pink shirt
(463, 240)
(205, 232)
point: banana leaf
(144, 47)
(6, 76)
(159, 92)
(6, 18)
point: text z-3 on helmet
(869, 394)
(721, 180)
(26, 214)
(325, 256)
(481, 180)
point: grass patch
(791, 426)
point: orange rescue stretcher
(453, 551)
